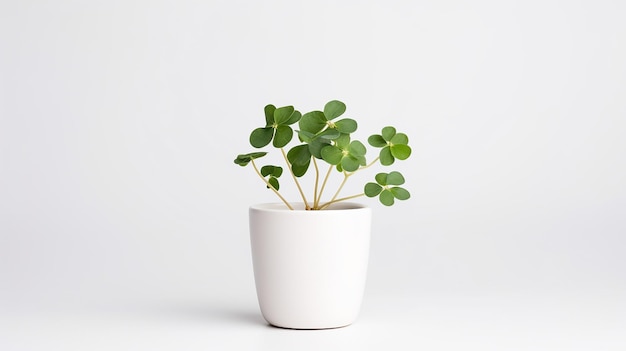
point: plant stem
(270, 185)
(306, 203)
(319, 196)
(370, 165)
(364, 167)
(342, 199)
(346, 175)
(317, 178)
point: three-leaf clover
(384, 189)
(346, 155)
(274, 172)
(277, 127)
(317, 130)
(394, 145)
(316, 121)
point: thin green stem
(319, 196)
(317, 178)
(342, 199)
(270, 185)
(367, 166)
(346, 175)
(306, 203)
(371, 163)
(364, 167)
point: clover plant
(325, 137)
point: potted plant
(310, 257)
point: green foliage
(300, 159)
(273, 172)
(349, 155)
(394, 145)
(324, 136)
(277, 127)
(334, 109)
(384, 189)
(313, 122)
(244, 159)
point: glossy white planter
(310, 266)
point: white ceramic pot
(310, 266)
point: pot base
(321, 328)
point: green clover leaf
(334, 109)
(300, 158)
(244, 159)
(273, 172)
(317, 141)
(394, 145)
(277, 127)
(385, 190)
(315, 122)
(318, 130)
(347, 155)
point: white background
(123, 220)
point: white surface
(479, 322)
(119, 122)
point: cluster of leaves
(384, 190)
(324, 136)
(394, 145)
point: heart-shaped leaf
(244, 159)
(274, 182)
(282, 114)
(299, 170)
(334, 109)
(295, 117)
(260, 137)
(332, 154)
(346, 125)
(386, 197)
(269, 115)
(313, 122)
(357, 148)
(305, 136)
(386, 158)
(389, 133)
(395, 178)
(381, 178)
(377, 140)
(400, 138)
(283, 136)
(275, 171)
(299, 155)
(372, 189)
(350, 163)
(329, 134)
(400, 193)
(401, 152)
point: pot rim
(299, 207)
